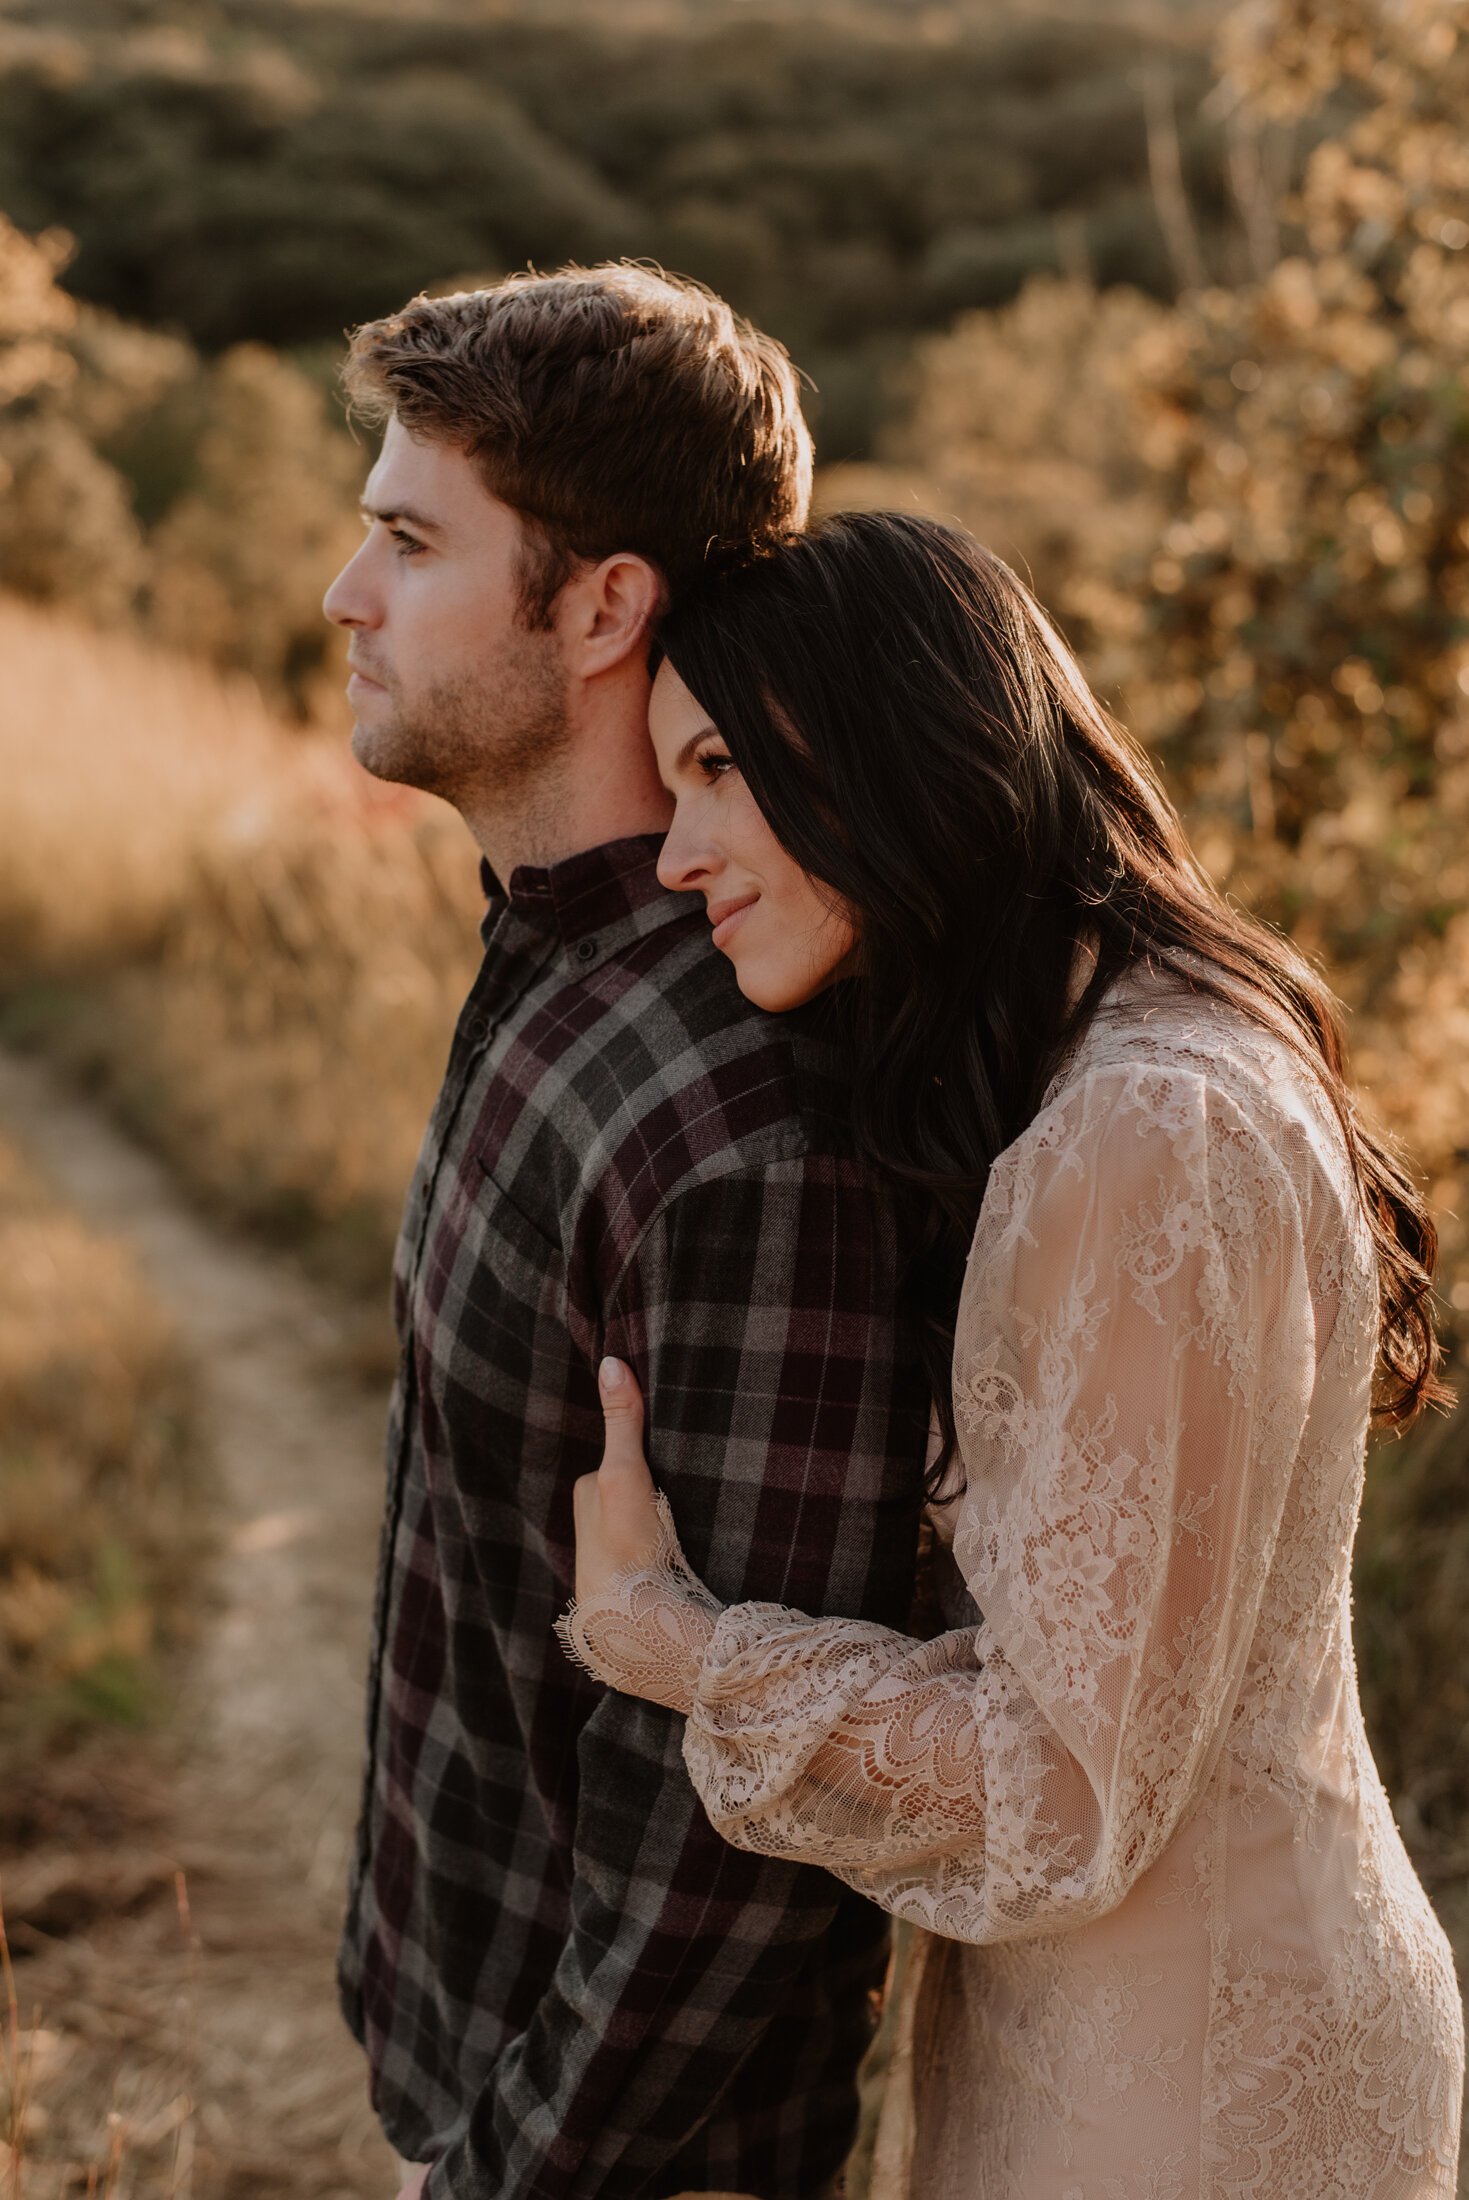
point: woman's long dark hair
(922, 742)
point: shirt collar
(603, 895)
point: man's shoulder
(682, 1079)
(681, 1043)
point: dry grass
(152, 2055)
(98, 1528)
(101, 1537)
(258, 950)
(119, 765)
(172, 1894)
(260, 955)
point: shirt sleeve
(787, 1412)
(1134, 1365)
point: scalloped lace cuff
(648, 1631)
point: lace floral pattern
(650, 1626)
(1195, 1957)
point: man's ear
(608, 613)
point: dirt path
(208, 2032)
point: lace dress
(1180, 1950)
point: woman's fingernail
(612, 1374)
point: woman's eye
(714, 764)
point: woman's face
(784, 934)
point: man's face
(453, 692)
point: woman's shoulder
(1154, 1017)
(1164, 1054)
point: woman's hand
(647, 1636)
(614, 1509)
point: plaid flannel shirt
(565, 1982)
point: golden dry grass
(98, 1524)
(260, 951)
(168, 2050)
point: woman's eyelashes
(712, 764)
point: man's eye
(408, 545)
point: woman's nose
(687, 860)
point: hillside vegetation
(1246, 501)
(274, 170)
(228, 184)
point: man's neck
(602, 786)
(508, 853)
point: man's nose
(347, 601)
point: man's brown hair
(614, 407)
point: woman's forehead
(673, 713)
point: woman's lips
(725, 916)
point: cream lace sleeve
(647, 1631)
(1133, 1368)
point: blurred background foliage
(1169, 303)
(272, 170)
(234, 174)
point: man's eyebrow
(392, 514)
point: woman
(1167, 1272)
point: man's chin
(365, 744)
(390, 753)
(381, 750)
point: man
(565, 1983)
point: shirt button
(585, 950)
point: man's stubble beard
(489, 741)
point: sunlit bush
(241, 558)
(1027, 424)
(208, 505)
(35, 313)
(1252, 511)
